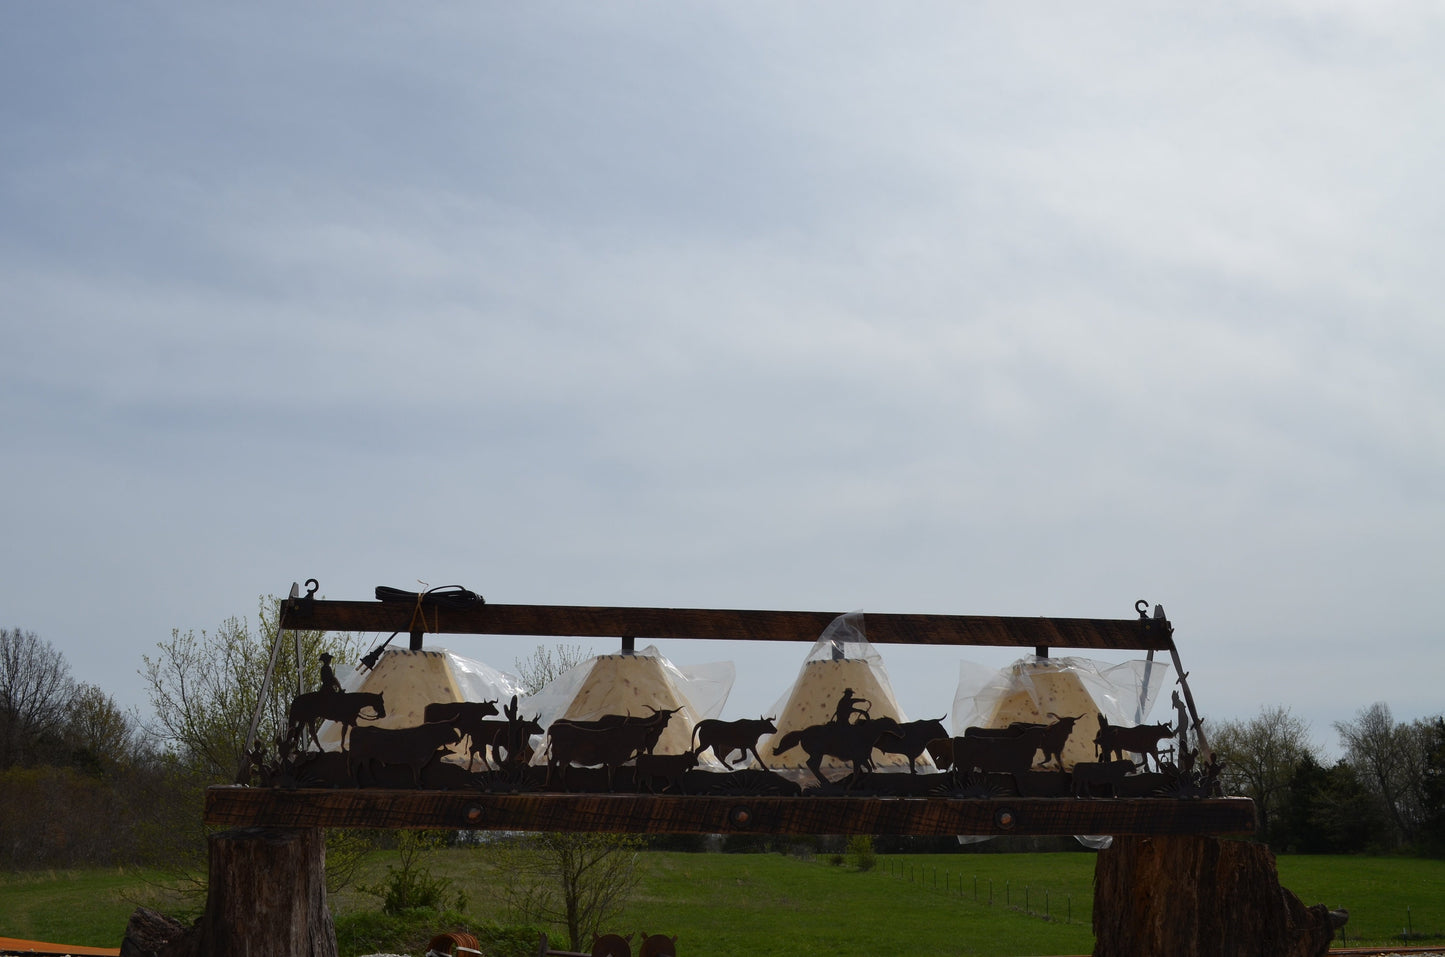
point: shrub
(860, 850)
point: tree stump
(1198, 896)
(266, 896)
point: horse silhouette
(310, 709)
(852, 743)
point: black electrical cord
(452, 596)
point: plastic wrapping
(1040, 689)
(411, 680)
(842, 660)
(633, 684)
(1034, 688)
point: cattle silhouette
(1114, 740)
(657, 945)
(610, 741)
(912, 739)
(997, 749)
(670, 768)
(414, 748)
(725, 737)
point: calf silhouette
(669, 767)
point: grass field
(88, 907)
(961, 905)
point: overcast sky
(996, 309)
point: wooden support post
(267, 895)
(1193, 896)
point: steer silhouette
(610, 741)
(725, 737)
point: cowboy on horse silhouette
(850, 705)
(328, 677)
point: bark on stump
(1198, 896)
(266, 896)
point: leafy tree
(1331, 811)
(99, 737)
(1260, 758)
(204, 688)
(1432, 789)
(35, 693)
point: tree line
(1385, 794)
(83, 784)
(88, 784)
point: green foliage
(410, 884)
(205, 688)
(1330, 811)
(346, 853)
(1432, 791)
(861, 853)
(1259, 756)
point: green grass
(1384, 895)
(924, 905)
(85, 907)
(769, 905)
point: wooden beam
(699, 814)
(577, 621)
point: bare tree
(1390, 757)
(547, 663)
(35, 693)
(578, 880)
(1260, 756)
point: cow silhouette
(725, 737)
(912, 740)
(1114, 740)
(610, 741)
(656, 945)
(414, 747)
(997, 749)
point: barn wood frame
(238, 806)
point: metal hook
(311, 586)
(1142, 607)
